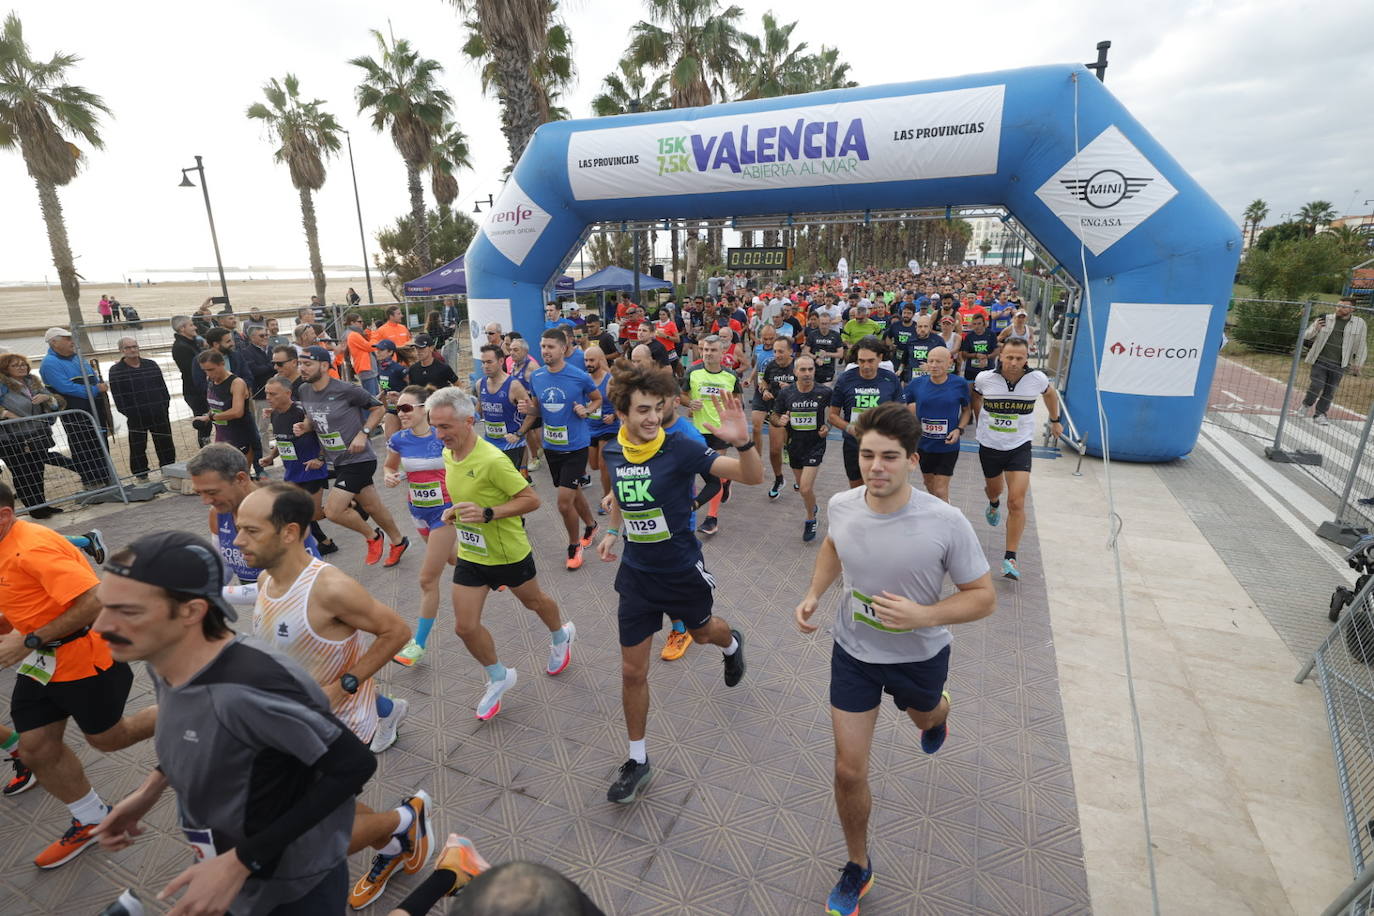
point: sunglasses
(406, 408)
(282, 362)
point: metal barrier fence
(43, 476)
(1342, 664)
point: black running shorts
(566, 468)
(995, 461)
(493, 576)
(858, 686)
(850, 451)
(645, 597)
(805, 456)
(96, 702)
(355, 477)
(940, 464)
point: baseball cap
(179, 562)
(318, 354)
(50, 333)
(423, 340)
(384, 344)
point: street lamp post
(634, 238)
(357, 202)
(186, 182)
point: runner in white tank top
(281, 619)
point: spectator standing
(1339, 344)
(186, 346)
(353, 299)
(103, 309)
(393, 329)
(428, 371)
(360, 356)
(62, 370)
(24, 446)
(140, 393)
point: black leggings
(26, 463)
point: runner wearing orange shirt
(393, 329)
(47, 591)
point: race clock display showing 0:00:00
(758, 259)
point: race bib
(595, 413)
(803, 420)
(287, 449)
(645, 526)
(202, 842)
(40, 664)
(935, 428)
(495, 430)
(471, 540)
(556, 435)
(863, 612)
(333, 441)
(214, 418)
(1002, 422)
(426, 495)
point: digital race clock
(758, 259)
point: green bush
(1267, 327)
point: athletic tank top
(234, 565)
(423, 461)
(499, 415)
(284, 624)
(604, 421)
(220, 397)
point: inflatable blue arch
(1154, 253)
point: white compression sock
(733, 647)
(638, 751)
(89, 809)
(407, 816)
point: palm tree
(695, 41)
(1254, 215)
(824, 70)
(1317, 213)
(307, 136)
(630, 90)
(526, 55)
(39, 111)
(770, 65)
(448, 154)
(402, 93)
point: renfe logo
(515, 216)
(515, 223)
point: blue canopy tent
(452, 280)
(616, 280)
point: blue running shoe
(1009, 569)
(993, 514)
(854, 883)
(809, 530)
(932, 739)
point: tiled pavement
(740, 817)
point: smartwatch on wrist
(349, 683)
(745, 447)
(367, 431)
(488, 514)
(33, 641)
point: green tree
(611, 249)
(771, 64)
(447, 155)
(695, 41)
(1254, 215)
(1296, 268)
(41, 113)
(825, 70)
(630, 90)
(525, 52)
(306, 136)
(399, 260)
(401, 92)
(1283, 232)
(1316, 214)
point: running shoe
(633, 779)
(932, 739)
(127, 903)
(710, 526)
(561, 653)
(371, 885)
(393, 556)
(853, 884)
(734, 664)
(410, 654)
(387, 726)
(491, 698)
(95, 545)
(676, 645)
(416, 839)
(22, 780)
(71, 844)
(725, 490)
(1321, 420)
(1367, 501)
(600, 510)
(374, 547)
(327, 547)
(461, 857)
(796, 487)
(534, 464)
(809, 530)
(574, 556)
(775, 489)
(1009, 570)
(993, 514)
(584, 481)
(588, 532)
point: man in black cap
(265, 775)
(428, 370)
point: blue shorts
(858, 686)
(684, 594)
(427, 518)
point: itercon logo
(1135, 349)
(1106, 188)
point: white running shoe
(1321, 420)
(561, 653)
(387, 726)
(491, 699)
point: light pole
(186, 182)
(634, 239)
(367, 272)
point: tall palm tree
(39, 112)
(1316, 213)
(770, 64)
(448, 154)
(695, 41)
(307, 136)
(825, 70)
(1254, 215)
(402, 93)
(526, 56)
(630, 90)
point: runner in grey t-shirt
(892, 548)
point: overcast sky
(1257, 99)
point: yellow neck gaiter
(636, 453)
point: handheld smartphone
(219, 300)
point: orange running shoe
(374, 547)
(589, 532)
(461, 857)
(371, 885)
(397, 551)
(417, 837)
(676, 645)
(575, 557)
(68, 846)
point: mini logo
(190, 735)
(1106, 188)
(282, 631)
(1117, 348)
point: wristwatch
(32, 641)
(367, 431)
(488, 514)
(349, 683)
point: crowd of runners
(644, 423)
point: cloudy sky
(1258, 98)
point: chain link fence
(56, 457)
